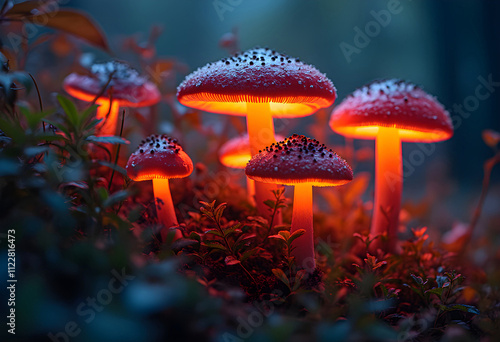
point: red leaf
(27, 8)
(230, 260)
(76, 23)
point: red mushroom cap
(392, 103)
(292, 88)
(299, 159)
(159, 156)
(235, 153)
(129, 88)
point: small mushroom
(302, 162)
(260, 84)
(235, 153)
(129, 89)
(390, 111)
(160, 158)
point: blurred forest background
(445, 46)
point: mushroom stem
(165, 207)
(302, 218)
(260, 129)
(251, 190)
(108, 124)
(388, 188)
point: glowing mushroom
(160, 158)
(390, 111)
(129, 89)
(235, 153)
(302, 162)
(259, 84)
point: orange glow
(405, 134)
(81, 95)
(308, 181)
(109, 116)
(260, 129)
(291, 106)
(236, 161)
(388, 187)
(165, 207)
(302, 218)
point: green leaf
(248, 254)
(109, 139)
(299, 277)
(87, 112)
(113, 166)
(460, 307)
(115, 198)
(438, 291)
(12, 130)
(70, 109)
(232, 229)
(295, 235)
(270, 203)
(281, 276)
(285, 234)
(214, 245)
(195, 236)
(280, 237)
(214, 232)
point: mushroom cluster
(262, 84)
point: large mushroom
(303, 163)
(126, 88)
(260, 84)
(390, 111)
(160, 158)
(235, 153)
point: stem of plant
(117, 152)
(488, 167)
(228, 246)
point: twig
(488, 167)
(117, 152)
(39, 98)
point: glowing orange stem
(165, 207)
(302, 218)
(388, 188)
(108, 125)
(251, 190)
(260, 129)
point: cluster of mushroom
(262, 84)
